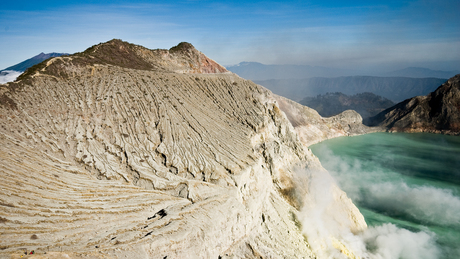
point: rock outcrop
(312, 128)
(331, 104)
(122, 151)
(437, 112)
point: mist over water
(407, 186)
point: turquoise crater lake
(407, 186)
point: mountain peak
(182, 47)
(40, 55)
(114, 52)
(183, 58)
(198, 62)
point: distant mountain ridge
(394, 88)
(330, 104)
(259, 71)
(24, 65)
(420, 72)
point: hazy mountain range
(330, 104)
(394, 88)
(420, 72)
(299, 81)
(257, 71)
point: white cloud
(8, 76)
(426, 204)
(321, 220)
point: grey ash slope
(123, 151)
(437, 112)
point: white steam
(388, 241)
(425, 204)
(8, 76)
(387, 192)
(328, 231)
(323, 223)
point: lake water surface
(407, 186)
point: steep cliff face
(438, 112)
(124, 151)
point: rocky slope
(126, 152)
(437, 112)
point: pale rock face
(312, 128)
(103, 160)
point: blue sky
(384, 35)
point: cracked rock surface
(125, 152)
